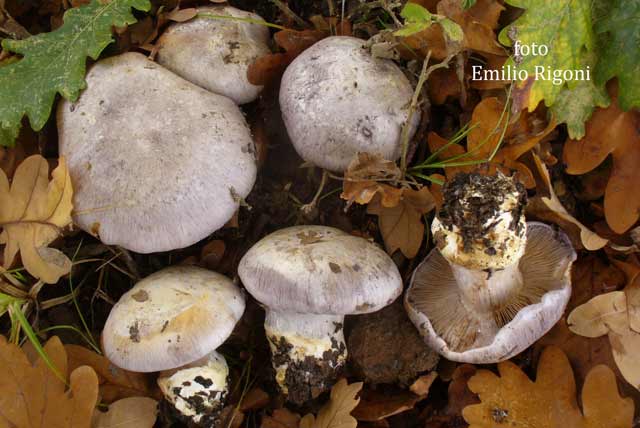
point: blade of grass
(236, 18)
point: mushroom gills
(467, 308)
(308, 352)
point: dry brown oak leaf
(132, 412)
(33, 212)
(513, 400)
(337, 412)
(611, 131)
(32, 396)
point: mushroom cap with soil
(157, 163)
(308, 278)
(494, 284)
(215, 53)
(338, 100)
(171, 318)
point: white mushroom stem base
(308, 352)
(198, 390)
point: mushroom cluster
(173, 321)
(159, 162)
(308, 278)
(494, 284)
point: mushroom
(308, 278)
(214, 52)
(337, 100)
(174, 320)
(157, 163)
(495, 284)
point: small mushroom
(174, 320)
(495, 284)
(308, 278)
(215, 53)
(157, 163)
(337, 100)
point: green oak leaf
(564, 26)
(575, 106)
(618, 31)
(55, 62)
(468, 4)
(418, 18)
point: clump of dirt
(385, 347)
(472, 203)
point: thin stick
(308, 208)
(291, 14)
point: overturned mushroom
(174, 320)
(494, 284)
(214, 50)
(337, 100)
(309, 278)
(157, 163)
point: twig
(291, 14)
(424, 75)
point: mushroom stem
(199, 389)
(489, 289)
(308, 352)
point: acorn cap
(157, 163)
(215, 53)
(171, 318)
(460, 332)
(338, 100)
(481, 224)
(319, 270)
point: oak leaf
(34, 396)
(281, 418)
(614, 132)
(33, 211)
(132, 412)
(115, 383)
(363, 180)
(337, 412)
(401, 225)
(512, 399)
(616, 315)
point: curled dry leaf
(364, 179)
(33, 396)
(33, 212)
(550, 208)
(401, 225)
(611, 131)
(281, 418)
(337, 412)
(375, 406)
(115, 383)
(615, 314)
(132, 412)
(512, 399)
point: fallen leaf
(132, 412)
(281, 418)
(512, 399)
(422, 385)
(33, 396)
(375, 406)
(337, 412)
(254, 399)
(613, 314)
(401, 225)
(611, 131)
(182, 15)
(458, 397)
(115, 383)
(362, 180)
(590, 240)
(436, 143)
(33, 211)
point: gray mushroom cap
(157, 163)
(337, 100)
(171, 318)
(536, 291)
(319, 270)
(215, 53)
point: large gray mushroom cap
(157, 163)
(490, 316)
(171, 318)
(319, 270)
(337, 100)
(215, 53)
